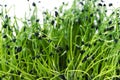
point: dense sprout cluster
(79, 43)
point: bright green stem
(71, 42)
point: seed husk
(104, 5)
(88, 45)
(18, 49)
(82, 42)
(118, 71)
(36, 34)
(43, 36)
(5, 36)
(56, 14)
(52, 22)
(110, 22)
(39, 1)
(6, 16)
(98, 10)
(37, 56)
(16, 56)
(118, 23)
(102, 1)
(93, 26)
(81, 3)
(18, 72)
(115, 40)
(105, 10)
(11, 71)
(5, 25)
(39, 37)
(99, 21)
(24, 28)
(7, 46)
(3, 75)
(34, 4)
(36, 77)
(110, 4)
(110, 36)
(83, 10)
(63, 3)
(99, 4)
(91, 15)
(8, 52)
(109, 29)
(5, 5)
(22, 78)
(37, 20)
(14, 40)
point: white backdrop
(19, 7)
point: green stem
(71, 42)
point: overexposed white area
(19, 8)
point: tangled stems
(81, 43)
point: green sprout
(79, 43)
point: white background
(20, 7)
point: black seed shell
(18, 72)
(99, 4)
(16, 56)
(110, 4)
(33, 4)
(110, 22)
(4, 36)
(109, 29)
(18, 49)
(115, 40)
(91, 15)
(56, 13)
(8, 52)
(36, 34)
(37, 20)
(104, 5)
(7, 46)
(5, 26)
(14, 40)
(81, 3)
(5, 5)
(52, 22)
(43, 36)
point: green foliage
(80, 43)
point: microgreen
(79, 43)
